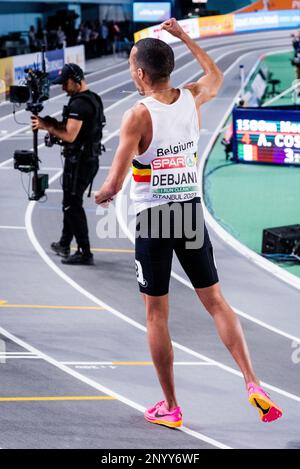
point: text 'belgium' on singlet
(167, 170)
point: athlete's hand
(99, 200)
(105, 203)
(173, 27)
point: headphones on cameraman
(76, 75)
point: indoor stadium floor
(75, 366)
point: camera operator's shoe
(60, 250)
(78, 258)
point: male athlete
(159, 138)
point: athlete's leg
(228, 327)
(157, 312)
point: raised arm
(209, 84)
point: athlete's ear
(140, 73)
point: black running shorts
(161, 230)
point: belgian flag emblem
(141, 172)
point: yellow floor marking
(2, 302)
(109, 250)
(86, 364)
(58, 398)
(81, 308)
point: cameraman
(80, 134)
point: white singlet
(167, 170)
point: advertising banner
(215, 25)
(227, 24)
(289, 19)
(256, 21)
(266, 20)
(142, 34)
(12, 69)
(75, 55)
(6, 74)
(22, 62)
(54, 62)
(151, 11)
(270, 5)
(191, 27)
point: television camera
(33, 92)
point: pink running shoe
(268, 410)
(162, 416)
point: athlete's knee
(215, 306)
(156, 316)
(212, 299)
(156, 309)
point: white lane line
(8, 227)
(117, 363)
(19, 138)
(104, 389)
(5, 162)
(23, 357)
(6, 168)
(46, 168)
(58, 169)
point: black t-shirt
(82, 109)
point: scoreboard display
(266, 135)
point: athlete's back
(167, 170)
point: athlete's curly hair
(156, 58)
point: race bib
(174, 178)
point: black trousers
(74, 217)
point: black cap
(72, 71)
